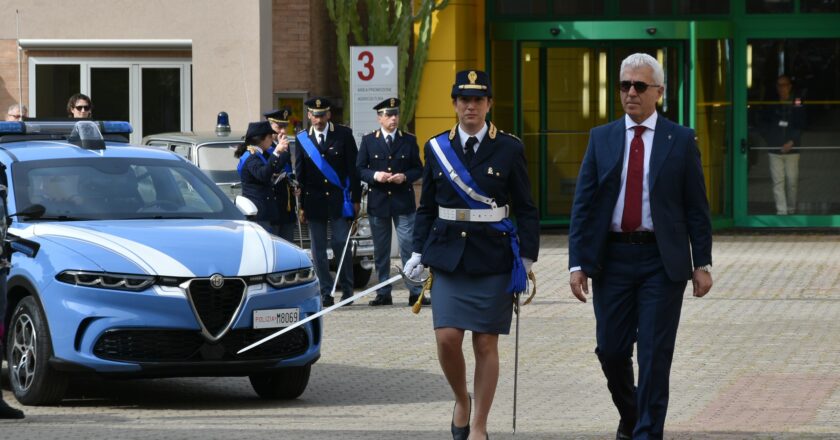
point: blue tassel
(518, 277)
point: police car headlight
(106, 280)
(364, 227)
(291, 277)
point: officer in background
(258, 169)
(283, 188)
(324, 152)
(389, 161)
(476, 260)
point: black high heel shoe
(463, 432)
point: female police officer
(258, 170)
(462, 231)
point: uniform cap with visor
(471, 83)
(318, 106)
(388, 107)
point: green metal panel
(607, 30)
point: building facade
(554, 67)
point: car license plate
(276, 318)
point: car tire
(284, 384)
(29, 347)
(361, 276)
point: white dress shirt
(386, 133)
(463, 136)
(319, 133)
(647, 138)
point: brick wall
(9, 76)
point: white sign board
(373, 78)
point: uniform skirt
(480, 303)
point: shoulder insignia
(408, 134)
(492, 131)
(332, 127)
(453, 132)
(312, 129)
(377, 133)
(252, 149)
(511, 135)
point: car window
(183, 150)
(114, 188)
(218, 162)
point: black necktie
(389, 142)
(320, 141)
(469, 150)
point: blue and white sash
(464, 185)
(347, 210)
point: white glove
(527, 262)
(413, 268)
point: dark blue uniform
(320, 199)
(390, 199)
(499, 169)
(390, 203)
(322, 202)
(257, 185)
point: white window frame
(135, 66)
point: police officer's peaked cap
(390, 106)
(471, 83)
(318, 106)
(280, 116)
(258, 129)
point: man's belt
(474, 215)
(636, 237)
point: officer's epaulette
(251, 149)
(406, 133)
(492, 131)
(375, 133)
(453, 132)
(511, 135)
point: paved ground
(759, 358)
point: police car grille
(158, 345)
(216, 307)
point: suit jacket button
(376, 156)
(389, 157)
(389, 193)
(326, 181)
(389, 168)
(327, 193)
(463, 233)
(323, 155)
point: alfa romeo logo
(217, 281)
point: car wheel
(287, 383)
(361, 276)
(29, 347)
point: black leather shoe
(327, 301)
(7, 412)
(382, 301)
(624, 431)
(463, 432)
(345, 296)
(413, 299)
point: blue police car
(130, 262)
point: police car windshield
(217, 161)
(119, 188)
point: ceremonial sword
(329, 309)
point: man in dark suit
(389, 161)
(322, 201)
(640, 228)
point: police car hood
(178, 248)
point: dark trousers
(636, 302)
(318, 239)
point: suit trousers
(381, 229)
(635, 302)
(318, 239)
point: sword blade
(516, 362)
(323, 312)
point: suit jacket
(321, 200)
(500, 170)
(389, 199)
(678, 205)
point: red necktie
(631, 218)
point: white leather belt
(474, 215)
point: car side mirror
(246, 206)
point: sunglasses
(84, 108)
(640, 86)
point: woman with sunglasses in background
(79, 106)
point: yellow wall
(457, 43)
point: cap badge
(490, 171)
(472, 76)
(285, 114)
(317, 103)
(392, 102)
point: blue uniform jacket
(500, 170)
(258, 187)
(321, 200)
(678, 205)
(389, 199)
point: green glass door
(566, 90)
